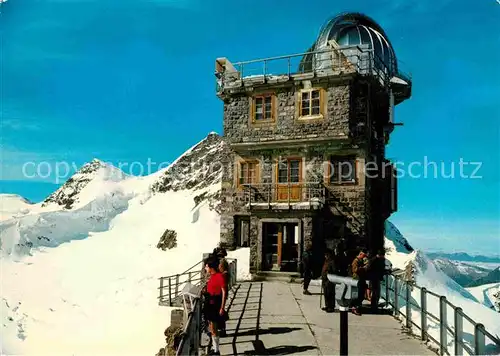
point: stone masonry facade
(344, 129)
(337, 122)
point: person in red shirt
(216, 294)
(224, 269)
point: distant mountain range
(492, 277)
(469, 274)
(463, 256)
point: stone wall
(238, 126)
(255, 244)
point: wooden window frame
(288, 159)
(238, 221)
(239, 171)
(337, 159)
(311, 116)
(253, 110)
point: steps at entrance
(289, 277)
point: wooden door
(280, 245)
(289, 178)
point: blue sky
(129, 81)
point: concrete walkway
(274, 318)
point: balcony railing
(345, 59)
(298, 195)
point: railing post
(408, 305)
(396, 297)
(170, 291)
(196, 317)
(423, 314)
(189, 276)
(479, 343)
(235, 276)
(161, 289)
(443, 332)
(387, 296)
(459, 334)
(176, 285)
(265, 68)
(289, 67)
(288, 195)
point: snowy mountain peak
(93, 174)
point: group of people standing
(367, 269)
(215, 297)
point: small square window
(248, 173)
(342, 170)
(263, 107)
(311, 102)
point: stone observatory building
(308, 134)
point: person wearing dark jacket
(328, 287)
(341, 260)
(376, 272)
(307, 268)
(359, 271)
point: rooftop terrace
(336, 61)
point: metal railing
(345, 59)
(171, 286)
(437, 320)
(191, 336)
(283, 193)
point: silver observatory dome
(364, 43)
(355, 29)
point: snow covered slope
(488, 294)
(13, 205)
(80, 271)
(425, 273)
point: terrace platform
(275, 318)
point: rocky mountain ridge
(197, 169)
